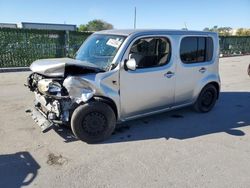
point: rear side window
(196, 49)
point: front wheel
(93, 122)
(206, 99)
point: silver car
(119, 75)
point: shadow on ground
(231, 112)
(17, 170)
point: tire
(248, 70)
(207, 99)
(93, 122)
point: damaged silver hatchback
(119, 75)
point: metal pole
(135, 19)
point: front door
(151, 86)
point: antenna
(135, 19)
(185, 25)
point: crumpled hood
(61, 67)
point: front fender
(79, 89)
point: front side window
(100, 50)
(150, 52)
(196, 49)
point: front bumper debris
(54, 101)
(41, 120)
(49, 113)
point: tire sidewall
(81, 111)
(199, 106)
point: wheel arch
(212, 79)
(108, 101)
(216, 85)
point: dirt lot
(174, 149)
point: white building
(8, 25)
(49, 26)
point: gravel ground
(175, 149)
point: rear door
(193, 64)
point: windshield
(100, 50)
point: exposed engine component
(32, 81)
(49, 87)
(56, 110)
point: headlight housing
(49, 87)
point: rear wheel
(93, 122)
(206, 99)
(248, 70)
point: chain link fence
(20, 47)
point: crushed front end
(59, 89)
(51, 100)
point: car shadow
(17, 170)
(65, 132)
(232, 111)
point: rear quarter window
(196, 49)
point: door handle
(169, 74)
(202, 70)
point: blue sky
(163, 14)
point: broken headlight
(49, 87)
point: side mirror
(130, 64)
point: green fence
(20, 47)
(234, 45)
(75, 41)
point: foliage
(95, 25)
(75, 41)
(243, 32)
(82, 27)
(20, 47)
(223, 31)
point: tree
(95, 25)
(214, 29)
(228, 31)
(225, 31)
(82, 27)
(243, 32)
(206, 29)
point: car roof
(127, 32)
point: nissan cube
(120, 75)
